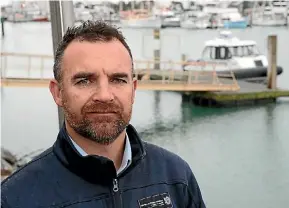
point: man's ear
(55, 90)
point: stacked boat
(271, 13)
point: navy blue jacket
(61, 177)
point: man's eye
(83, 82)
(119, 80)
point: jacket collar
(93, 168)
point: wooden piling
(157, 52)
(2, 26)
(272, 62)
(184, 59)
(156, 34)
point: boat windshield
(228, 52)
(246, 50)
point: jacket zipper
(116, 196)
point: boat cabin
(226, 47)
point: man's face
(97, 90)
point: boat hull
(250, 73)
(269, 22)
(141, 23)
(247, 73)
(194, 24)
(235, 24)
(171, 24)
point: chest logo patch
(159, 200)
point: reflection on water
(233, 152)
(157, 110)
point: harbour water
(239, 156)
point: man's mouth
(102, 112)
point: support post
(2, 26)
(62, 17)
(120, 7)
(184, 59)
(272, 62)
(157, 52)
(157, 59)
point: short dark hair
(91, 31)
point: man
(98, 159)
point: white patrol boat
(229, 53)
(233, 52)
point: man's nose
(103, 93)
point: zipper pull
(115, 185)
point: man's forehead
(96, 49)
(97, 58)
(98, 71)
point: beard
(98, 121)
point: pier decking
(205, 88)
(27, 73)
(249, 94)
